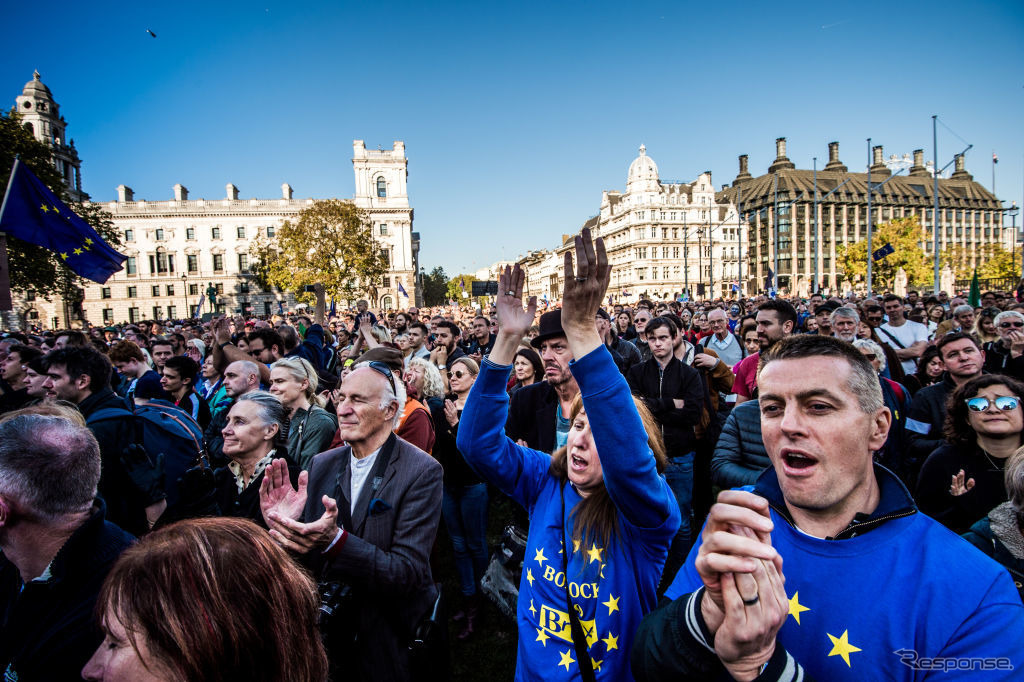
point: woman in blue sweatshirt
(600, 524)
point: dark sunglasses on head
(384, 369)
(1004, 403)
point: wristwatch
(226, 343)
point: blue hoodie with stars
(894, 596)
(611, 587)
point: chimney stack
(960, 172)
(918, 169)
(286, 191)
(232, 192)
(744, 173)
(125, 193)
(180, 193)
(834, 164)
(878, 166)
(781, 161)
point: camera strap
(375, 481)
(579, 639)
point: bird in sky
(150, 33)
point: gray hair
(49, 464)
(433, 385)
(845, 312)
(963, 309)
(1005, 315)
(874, 348)
(271, 411)
(1014, 479)
(387, 396)
(863, 380)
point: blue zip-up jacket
(611, 587)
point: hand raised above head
(513, 320)
(583, 292)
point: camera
(334, 598)
(309, 289)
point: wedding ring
(751, 602)
(510, 293)
(581, 279)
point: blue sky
(515, 115)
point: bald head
(241, 377)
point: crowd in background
(241, 399)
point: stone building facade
(664, 240)
(779, 208)
(182, 249)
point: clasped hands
(282, 507)
(744, 603)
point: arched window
(382, 187)
(385, 303)
(29, 128)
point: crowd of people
(766, 488)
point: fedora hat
(550, 327)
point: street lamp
(184, 286)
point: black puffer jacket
(740, 455)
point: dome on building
(643, 174)
(36, 88)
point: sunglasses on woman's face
(458, 373)
(1004, 403)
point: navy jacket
(47, 631)
(740, 456)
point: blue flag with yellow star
(34, 214)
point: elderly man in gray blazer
(365, 515)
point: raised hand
(583, 292)
(451, 413)
(513, 319)
(278, 497)
(958, 486)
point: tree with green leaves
(330, 242)
(454, 289)
(435, 287)
(993, 261)
(34, 269)
(905, 235)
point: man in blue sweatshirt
(872, 589)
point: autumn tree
(33, 268)
(905, 235)
(330, 242)
(435, 287)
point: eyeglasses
(458, 374)
(255, 352)
(384, 369)
(1008, 325)
(1004, 403)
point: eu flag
(402, 290)
(34, 214)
